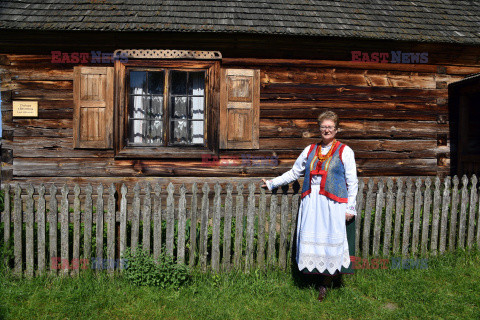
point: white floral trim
(323, 262)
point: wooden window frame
(212, 93)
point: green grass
(448, 289)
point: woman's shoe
(321, 293)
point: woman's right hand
(264, 185)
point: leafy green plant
(143, 269)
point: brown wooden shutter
(93, 107)
(239, 108)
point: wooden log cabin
(207, 91)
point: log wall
(394, 116)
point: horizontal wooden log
(353, 129)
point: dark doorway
(464, 107)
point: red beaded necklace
(322, 157)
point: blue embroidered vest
(333, 184)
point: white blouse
(298, 169)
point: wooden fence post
(407, 214)
(435, 217)
(87, 236)
(216, 229)
(262, 208)
(53, 229)
(41, 209)
(147, 218)
(182, 220)
(399, 201)
(238, 248)
(426, 216)
(471, 214)
(170, 220)
(388, 218)
(111, 229)
(76, 230)
(444, 222)
(463, 213)
(157, 222)
(204, 228)
(29, 219)
(227, 228)
(380, 203)
(369, 203)
(453, 215)
(250, 226)
(99, 230)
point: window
(167, 108)
(166, 115)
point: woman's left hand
(349, 216)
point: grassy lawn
(448, 289)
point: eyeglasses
(327, 127)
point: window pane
(197, 108)
(179, 133)
(178, 82)
(144, 131)
(138, 105)
(196, 130)
(156, 109)
(156, 82)
(138, 82)
(179, 107)
(196, 83)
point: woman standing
(325, 241)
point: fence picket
(453, 214)
(407, 215)
(370, 199)
(53, 228)
(282, 250)
(399, 201)
(193, 227)
(435, 217)
(157, 222)
(227, 228)
(417, 215)
(380, 203)
(64, 222)
(293, 225)
(29, 219)
(272, 231)
(76, 229)
(463, 213)
(17, 230)
(204, 228)
(135, 218)
(216, 228)
(182, 220)
(6, 219)
(471, 214)
(170, 231)
(238, 227)
(99, 230)
(358, 218)
(123, 221)
(388, 218)
(147, 218)
(110, 219)
(262, 207)
(444, 222)
(426, 215)
(250, 226)
(87, 236)
(41, 230)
